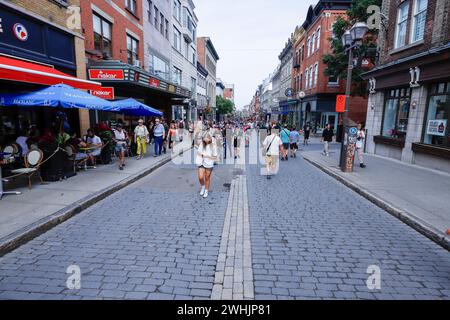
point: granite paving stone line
(233, 278)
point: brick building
(208, 58)
(311, 44)
(409, 102)
(42, 38)
(114, 41)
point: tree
(337, 61)
(224, 106)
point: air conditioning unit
(137, 63)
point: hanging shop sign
(340, 103)
(437, 127)
(104, 93)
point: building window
(177, 76)
(131, 5)
(176, 39)
(313, 42)
(132, 50)
(193, 86)
(306, 78)
(396, 113)
(316, 74)
(303, 52)
(308, 47)
(150, 11)
(311, 76)
(160, 67)
(437, 126)
(156, 24)
(402, 21)
(186, 49)
(177, 10)
(161, 23)
(167, 29)
(333, 81)
(193, 56)
(318, 38)
(419, 19)
(102, 35)
(300, 82)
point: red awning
(24, 71)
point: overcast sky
(248, 36)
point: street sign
(340, 103)
(353, 131)
(301, 94)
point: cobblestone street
(302, 236)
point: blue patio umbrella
(133, 107)
(59, 95)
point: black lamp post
(351, 40)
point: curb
(428, 231)
(28, 233)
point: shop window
(402, 21)
(102, 35)
(396, 113)
(132, 50)
(418, 20)
(437, 131)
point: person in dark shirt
(327, 138)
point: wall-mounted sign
(154, 82)
(437, 127)
(104, 93)
(289, 92)
(340, 103)
(301, 94)
(106, 75)
(20, 32)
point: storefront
(409, 110)
(133, 82)
(319, 110)
(34, 54)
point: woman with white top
(360, 138)
(206, 156)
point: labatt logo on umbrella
(20, 32)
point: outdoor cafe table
(3, 161)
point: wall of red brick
(389, 35)
(121, 23)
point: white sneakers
(204, 192)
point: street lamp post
(351, 40)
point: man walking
(327, 138)
(158, 135)
(285, 139)
(295, 139)
(141, 138)
(307, 133)
(272, 144)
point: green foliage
(337, 61)
(224, 106)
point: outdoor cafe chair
(33, 160)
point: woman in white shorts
(206, 156)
